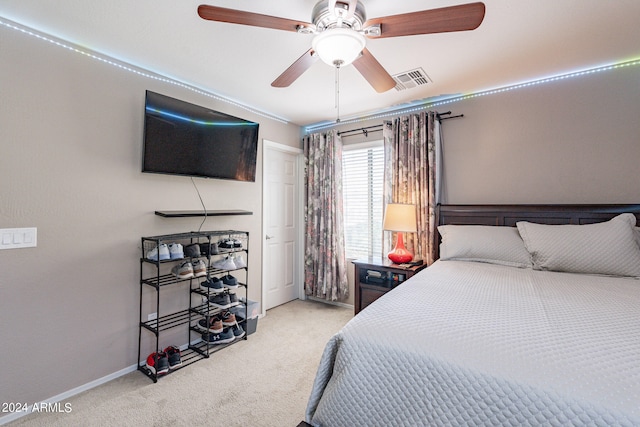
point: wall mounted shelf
(183, 214)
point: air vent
(411, 79)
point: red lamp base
(400, 254)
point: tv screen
(186, 139)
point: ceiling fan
(341, 29)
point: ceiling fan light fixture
(338, 45)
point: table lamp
(401, 218)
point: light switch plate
(15, 238)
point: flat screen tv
(186, 139)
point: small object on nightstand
(375, 276)
(411, 264)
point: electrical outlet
(152, 316)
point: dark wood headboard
(542, 214)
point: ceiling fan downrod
(337, 64)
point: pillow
(483, 243)
(608, 248)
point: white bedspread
(465, 343)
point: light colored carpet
(263, 381)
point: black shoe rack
(157, 276)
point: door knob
(269, 237)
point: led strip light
(429, 105)
(319, 126)
(139, 71)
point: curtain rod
(378, 128)
(365, 130)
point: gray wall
(568, 141)
(70, 159)
(575, 140)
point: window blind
(362, 183)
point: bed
(531, 316)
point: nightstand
(375, 277)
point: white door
(281, 225)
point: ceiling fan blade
(296, 69)
(221, 14)
(462, 17)
(373, 72)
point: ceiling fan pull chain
(337, 91)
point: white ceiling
(519, 40)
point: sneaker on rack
(236, 243)
(207, 249)
(228, 318)
(173, 355)
(220, 301)
(192, 250)
(230, 282)
(158, 363)
(176, 251)
(224, 337)
(225, 263)
(213, 285)
(183, 270)
(210, 324)
(199, 268)
(226, 243)
(238, 261)
(237, 330)
(233, 299)
(159, 253)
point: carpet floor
(262, 381)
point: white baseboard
(69, 393)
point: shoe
(220, 301)
(158, 363)
(159, 253)
(175, 251)
(230, 282)
(173, 355)
(237, 330)
(192, 250)
(211, 324)
(209, 249)
(233, 299)
(230, 243)
(212, 285)
(199, 268)
(224, 337)
(225, 263)
(238, 261)
(225, 243)
(228, 318)
(183, 270)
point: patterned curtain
(325, 263)
(410, 177)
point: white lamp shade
(338, 46)
(400, 217)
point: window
(362, 182)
